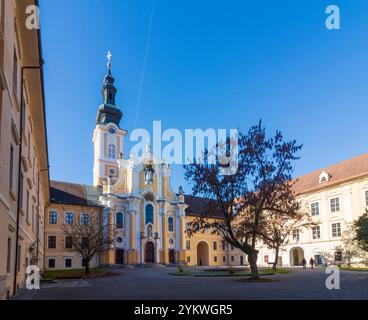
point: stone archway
(296, 256)
(203, 254)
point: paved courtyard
(156, 283)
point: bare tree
(261, 184)
(279, 226)
(88, 235)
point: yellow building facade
(24, 182)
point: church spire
(108, 111)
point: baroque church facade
(147, 219)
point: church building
(148, 219)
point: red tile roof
(340, 172)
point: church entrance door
(119, 256)
(172, 256)
(150, 253)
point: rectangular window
(316, 232)
(52, 217)
(188, 245)
(223, 245)
(188, 259)
(27, 208)
(266, 259)
(23, 114)
(232, 258)
(315, 209)
(85, 219)
(188, 226)
(68, 243)
(223, 258)
(52, 263)
(29, 145)
(336, 230)
(335, 205)
(215, 258)
(33, 218)
(8, 256)
(215, 245)
(18, 258)
(11, 167)
(15, 71)
(68, 263)
(296, 235)
(85, 242)
(338, 256)
(69, 218)
(52, 242)
(366, 198)
(21, 191)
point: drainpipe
(20, 170)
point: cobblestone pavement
(156, 283)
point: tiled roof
(198, 207)
(339, 173)
(74, 194)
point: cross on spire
(109, 56)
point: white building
(336, 196)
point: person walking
(304, 263)
(312, 262)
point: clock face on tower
(112, 130)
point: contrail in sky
(148, 43)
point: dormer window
(149, 175)
(324, 177)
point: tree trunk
(252, 259)
(274, 267)
(86, 269)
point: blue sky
(209, 64)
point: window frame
(119, 220)
(71, 263)
(51, 221)
(111, 151)
(188, 245)
(146, 220)
(316, 232)
(66, 242)
(67, 216)
(315, 209)
(48, 263)
(296, 234)
(48, 242)
(170, 224)
(335, 205)
(336, 230)
(84, 218)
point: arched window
(111, 151)
(171, 224)
(149, 214)
(119, 220)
